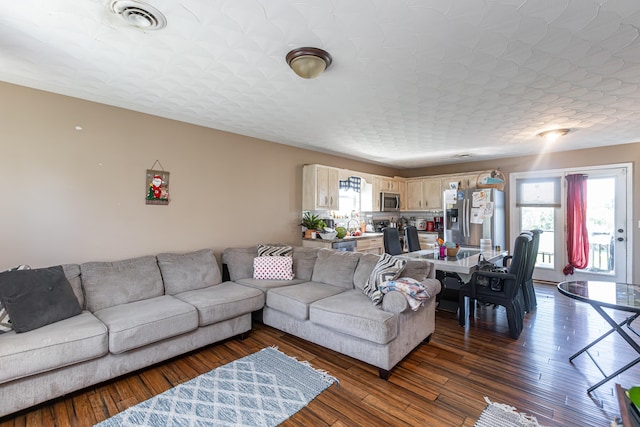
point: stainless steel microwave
(389, 202)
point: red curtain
(577, 235)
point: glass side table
(618, 296)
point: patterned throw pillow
(265, 250)
(273, 268)
(387, 268)
(5, 321)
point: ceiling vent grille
(138, 14)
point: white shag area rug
(501, 415)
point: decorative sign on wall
(157, 186)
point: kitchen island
(367, 243)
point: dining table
(454, 272)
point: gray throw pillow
(5, 320)
(188, 271)
(335, 268)
(35, 298)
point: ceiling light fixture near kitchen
(139, 14)
(308, 62)
(553, 134)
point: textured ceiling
(413, 82)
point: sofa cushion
(274, 250)
(273, 268)
(304, 259)
(419, 269)
(35, 298)
(352, 313)
(295, 300)
(363, 270)
(265, 285)
(139, 323)
(73, 340)
(72, 272)
(335, 268)
(239, 261)
(188, 271)
(387, 268)
(108, 284)
(224, 301)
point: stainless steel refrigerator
(471, 215)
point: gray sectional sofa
(325, 304)
(135, 313)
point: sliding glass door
(539, 201)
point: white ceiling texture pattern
(413, 82)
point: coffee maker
(437, 220)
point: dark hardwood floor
(442, 383)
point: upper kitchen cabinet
(319, 188)
(424, 194)
(465, 181)
(389, 185)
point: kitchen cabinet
(319, 188)
(389, 185)
(373, 245)
(465, 182)
(424, 194)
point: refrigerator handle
(464, 217)
(467, 217)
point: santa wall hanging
(157, 190)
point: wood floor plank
(442, 383)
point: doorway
(539, 201)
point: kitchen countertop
(348, 238)
(463, 264)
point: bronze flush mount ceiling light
(553, 134)
(308, 62)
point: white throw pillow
(273, 268)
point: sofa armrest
(395, 302)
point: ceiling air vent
(138, 14)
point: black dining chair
(506, 290)
(391, 239)
(411, 238)
(530, 302)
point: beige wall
(624, 153)
(75, 196)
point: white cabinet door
(319, 188)
(432, 193)
(415, 200)
(327, 188)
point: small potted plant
(312, 223)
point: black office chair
(391, 239)
(511, 294)
(528, 290)
(411, 238)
